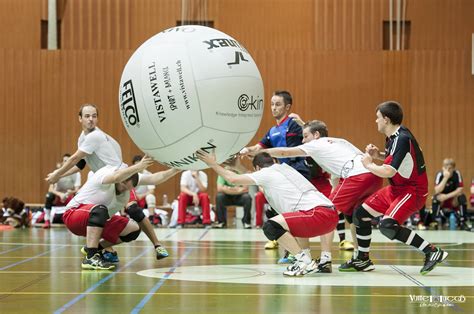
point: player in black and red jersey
(404, 166)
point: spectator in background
(448, 192)
(229, 194)
(193, 191)
(145, 194)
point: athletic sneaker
(110, 257)
(325, 267)
(300, 268)
(247, 226)
(46, 224)
(161, 252)
(271, 245)
(345, 245)
(287, 259)
(432, 259)
(355, 264)
(96, 262)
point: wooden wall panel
(20, 24)
(20, 123)
(442, 111)
(91, 24)
(348, 25)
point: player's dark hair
(67, 155)
(136, 158)
(317, 125)
(392, 110)
(88, 105)
(287, 99)
(263, 160)
(133, 178)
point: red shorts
(397, 203)
(352, 191)
(76, 220)
(311, 223)
(323, 185)
(133, 197)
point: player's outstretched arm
(280, 152)
(123, 174)
(158, 177)
(229, 176)
(54, 176)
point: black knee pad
(348, 218)
(434, 200)
(81, 164)
(98, 216)
(462, 200)
(131, 236)
(358, 217)
(135, 212)
(389, 227)
(273, 230)
(49, 200)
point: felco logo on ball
(245, 102)
(128, 105)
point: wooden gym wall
(328, 53)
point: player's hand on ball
(205, 157)
(244, 151)
(146, 162)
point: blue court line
(31, 258)
(11, 250)
(100, 282)
(155, 288)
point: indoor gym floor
(226, 271)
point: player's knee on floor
(389, 227)
(273, 230)
(135, 212)
(131, 236)
(98, 216)
(361, 217)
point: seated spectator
(229, 194)
(193, 191)
(61, 192)
(448, 192)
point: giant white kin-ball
(188, 88)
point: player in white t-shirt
(90, 212)
(304, 212)
(94, 147)
(60, 193)
(342, 160)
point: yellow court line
(221, 294)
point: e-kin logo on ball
(245, 102)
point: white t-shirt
(95, 192)
(287, 190)
(68, 183)
(188, 180)
(143, 189)
(336, 156)
(101, 149)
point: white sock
(325, 257)
(303, 257)
(308, 252)
(355, 253)
(47, 214)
